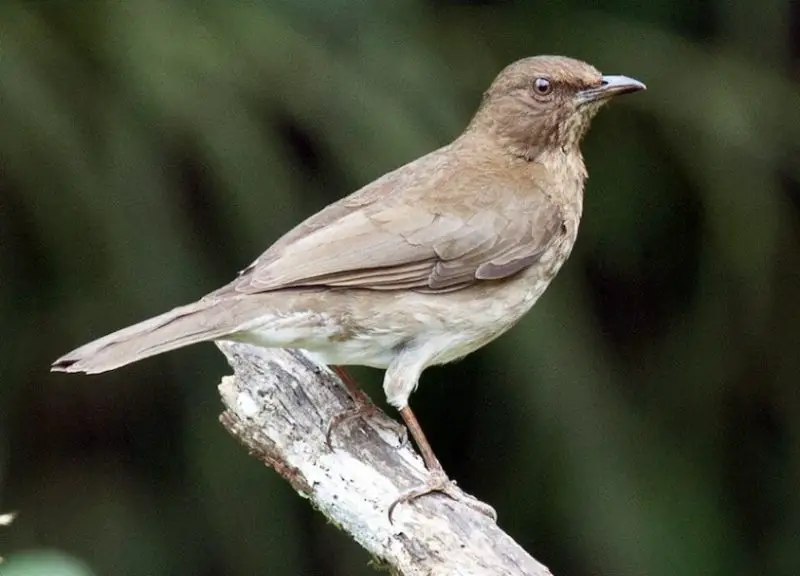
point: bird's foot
(363, 409)
(439, 482)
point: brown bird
(422, 266)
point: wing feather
(419, 237)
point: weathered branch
(279, 403)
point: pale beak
(611, 86)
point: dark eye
(542, 86)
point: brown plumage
(425, 264)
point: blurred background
(644, 418)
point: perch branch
(279, 403)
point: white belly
(347, 333)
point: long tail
(203, 320)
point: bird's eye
(542, 86)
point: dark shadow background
(644, 419)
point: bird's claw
(439, 482)
(364, 411)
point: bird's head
(545, 103)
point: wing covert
(408, 242)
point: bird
(424, 265)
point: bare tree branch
(279, 403)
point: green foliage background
(644, 419)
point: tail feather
(182, 326)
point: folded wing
(405, 244)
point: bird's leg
(362, 409)
(356, 393)
(430, 459)
(438, 480)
